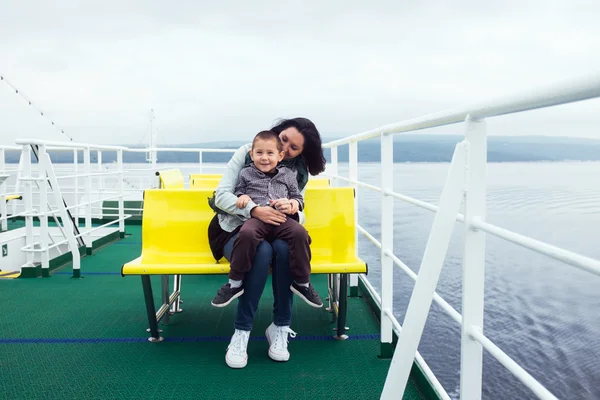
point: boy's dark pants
(255, 231)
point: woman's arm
(301, 216)
(225, 198)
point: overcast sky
(217, 70)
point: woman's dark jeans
(267, 254)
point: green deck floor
(85, 338)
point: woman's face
(293, 142)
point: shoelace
(238, 342)
(281, 337)
(225, 289)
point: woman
(303, 154)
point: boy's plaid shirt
(261, 188)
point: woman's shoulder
(242, 152)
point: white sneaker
(277, 336)
(236, 356)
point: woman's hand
(268, 215)
(285, 205)
(242, 201)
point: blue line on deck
(167, 339)
(138, 243)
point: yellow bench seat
(175, 226)
(203, 266)
(174, 242)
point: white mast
(152, 155)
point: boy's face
(265, 154)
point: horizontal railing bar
(28, 249)
(368, 235)
(370, 288)
(455, 315)
(407, 199)
(511, 365)
(67, 145)
(181, 150)
(115, 172)
(557, 253)
(54, 211)
(359, 183)
(569, 92)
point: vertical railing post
(121, 194)
(87, 167)
(28, 194)
(473, 260)
(200, 162)
(43, 207)
(429, 274)
(334, 165)
(387, 242)
(153, 158)
(18, 183)
(69, 230)
(100, 181)
(353, 175)
(3, 193)
(75, 185)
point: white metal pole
(353, 175)
(101, 177)
(18, 183)
(3, 193)
(429, 273)
(75, 186)
(334, 165)
(121, 194)
(199, 161)
(87, 167)
(387, 242)
(66, 221)
(471, 359)
(43, 206)
(100, 185)
(27, 183)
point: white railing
(4, 187)
(44, 185)
(466, 180)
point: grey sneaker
(308, 294)
(226, 294)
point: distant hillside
(407, 148)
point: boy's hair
(268, 135)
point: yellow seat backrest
(175, 226)
(170, 179)
(317, 182)
(331, 224)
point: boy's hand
(242, 201)
(286, 206)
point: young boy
(263, 182)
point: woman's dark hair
(312, 152)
